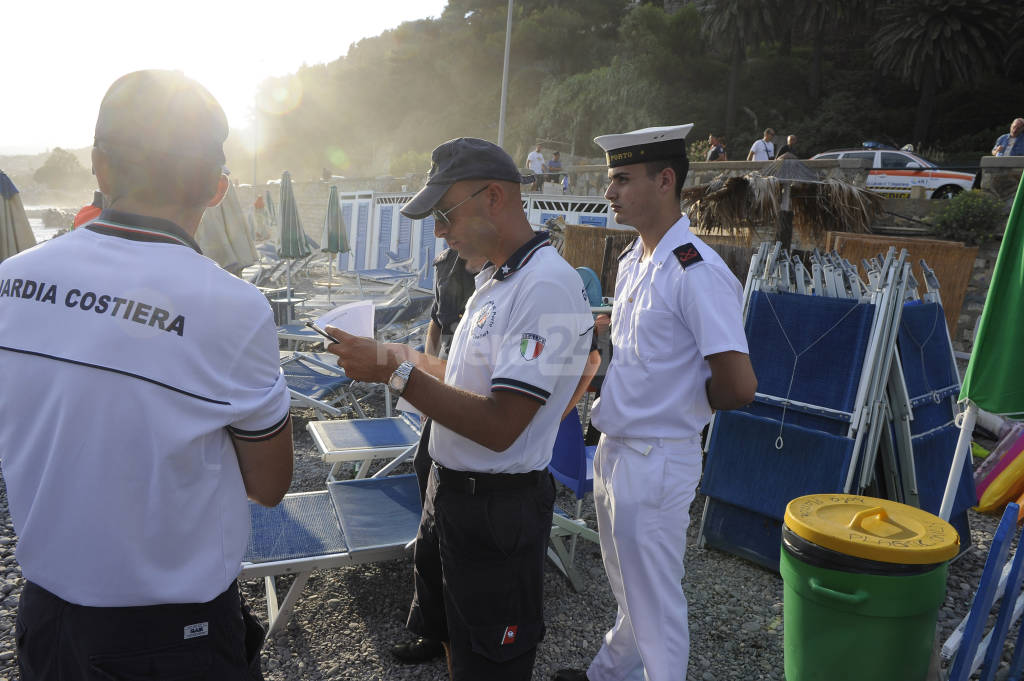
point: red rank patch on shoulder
(687, 254)
(511, 631)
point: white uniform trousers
(643, 489)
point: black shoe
(417, 651)
(570, 675)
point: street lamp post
(504, 77)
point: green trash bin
(863, 582)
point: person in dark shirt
(717, 150)
(788, 148)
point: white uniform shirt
(526, 329)
(126, 356)
(666, 319)
(763, 151)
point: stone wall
(592, 180)
(1001, 175)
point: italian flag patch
(531, 345)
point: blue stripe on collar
(522, 256)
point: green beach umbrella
(15, 231)
(271, 216)
(994, 380)
(335, 236)
(294, 243)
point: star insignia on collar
(505, 269)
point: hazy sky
(61, 55)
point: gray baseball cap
(465, 158)
(161, 112)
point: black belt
(471, 482)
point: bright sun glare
(62, 55)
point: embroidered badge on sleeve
(687, 254)
(531, 345)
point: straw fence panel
(952, 261)
(585, 247)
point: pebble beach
(347, 618)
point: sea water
(40, 232)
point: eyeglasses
(442, 215)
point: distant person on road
(763, 149)
(788, 148)
(555, 164)
(535, 162)
(717, 150)
(1012, 143)
(555, 170)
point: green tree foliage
(61, 170)
(834, 72)
(973, 217)
(934, 43)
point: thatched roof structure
(751, 204)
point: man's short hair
(679, 165)
(769, 131)
(164, 136)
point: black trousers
(421, 461)
(479, 575)
(61, 641)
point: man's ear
(496, 197)
(101, 169)
(667, 180)
(222, 190)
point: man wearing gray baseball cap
(514, 364)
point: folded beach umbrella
(335, 236)
(272, 218)
(224, 235)
(294, 243)
(15, 232)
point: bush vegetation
(973, 217)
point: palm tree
(736, 24)
(819, 19)
(933, 43)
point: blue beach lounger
(351, 522)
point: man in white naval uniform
(679, 352)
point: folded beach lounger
(822, 363)
(353, 521)
(315, 380)
(363, 440)
(932, 383)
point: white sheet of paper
(354, 318)
(404, 405)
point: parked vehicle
(894, 172)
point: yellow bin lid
(874, 529)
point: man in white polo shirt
(142, 401)
(679, 351)
(515, 361)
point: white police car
(894, 173)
